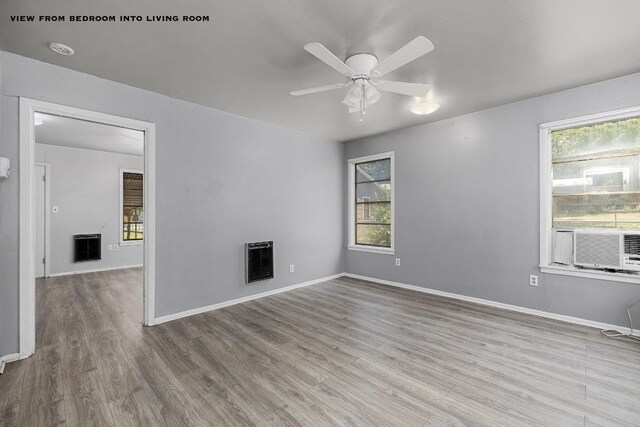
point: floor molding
(95, 270)
(194, 311)
(8, 358)
(539, 313)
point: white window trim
(546, 178)
(120, 206)
(351, 173)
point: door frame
(47, 216)
(27, 208)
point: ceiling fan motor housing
(362, 63)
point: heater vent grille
(259, 261)
(87, 247)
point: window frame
(546, 195)
(351, 173)
(121, 240)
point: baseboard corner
(12, 357)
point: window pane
(597, 210)
(132, 208)
(379, 213)
(599, 140)
(617, 174)
(373, 203)
(132, 226)
(373, 235)
(373, 191)
(596, 175)
(373, 171)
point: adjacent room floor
(344, 352)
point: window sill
(132, 243)
(372, 249)
(591, 274)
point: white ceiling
(251, 55)
(67, 132)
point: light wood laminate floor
(344, 352)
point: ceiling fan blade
(409, 89)
(317, 89)
(407, 53)
(324, 55)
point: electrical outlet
(397, 262)
(533, 280)
(110, 247)
(291, 268)
(116, 247)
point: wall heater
(259, 256)
(87, 247)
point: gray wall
(85, 185)
(467, 206)
(8, 232)
(222, 180)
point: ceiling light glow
(424, 107)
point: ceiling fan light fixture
(353, 96)
(424, 107)
(372, 94)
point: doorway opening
(87, 221)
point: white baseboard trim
(539, 313)
(194, 311)
(8, 358)
(94, 270)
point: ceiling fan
(364, 71)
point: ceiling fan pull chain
(362, 106)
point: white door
(41, 206)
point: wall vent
(87, 247)
(259, 256)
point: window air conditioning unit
(607, 249)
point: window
(131, 206)
(371, 203)
(590, 175)
(596, 175)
